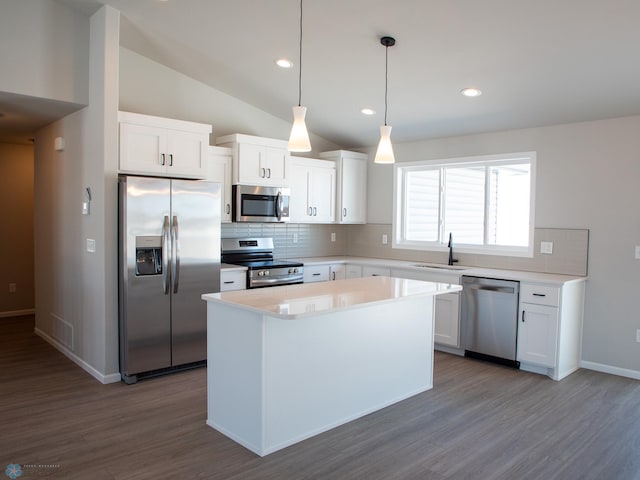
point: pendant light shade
(299, 138)
(384, 154)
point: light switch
(333, 236)
(384, 239)
(91, 245)
(546, 247)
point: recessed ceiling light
(368, 111)
(471, 92)
(284, 63)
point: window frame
(399, 201)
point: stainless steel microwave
(260, 204)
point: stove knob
(261, 273)
(295, 270)
(266, 272)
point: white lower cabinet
(353, 271)
(233, 280)
(447, 313)
(549, 328)
(372, 271)
(537, 334)
(337, 271)
(316, 273)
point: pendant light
(299, 138)
(384, 154)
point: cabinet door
(537, 334)
(447, 319)
(354, 271)
(219, 170)
(321, 194)
(142, 149)
(250, 169)
(338, 272)
(233, 280)
(316, 273)
(299, 204)
(186, 154)
(353, 191)
(371, 271)
(275, 163)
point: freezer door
(145, 324)
(195, 227)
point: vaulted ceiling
(537, 62)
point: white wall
(153, 89)
(76, 291)
(44, 50)
(588, 176)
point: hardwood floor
(480, 421)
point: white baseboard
(109, 378)
(599, 367)
(18, 313)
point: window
(485, 202)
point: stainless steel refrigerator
(169, 255)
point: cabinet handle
(310, 210)
(334, 275)
(263, 172)
(522, 316)
(268, 173)
(539, 295)
(229, 282)
(344, 212)
(162, 159)
(228, 208)
(315, 212)
(315, 274)
(171, 159)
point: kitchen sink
(441, 267)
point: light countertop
(295, 301)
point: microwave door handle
(279, 206)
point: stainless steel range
(262, 269)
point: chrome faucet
(451, 259)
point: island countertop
(295, 301)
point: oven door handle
(279, 206)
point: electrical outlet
(294, 238)
(384, 239)
(91, 245)
(638, 335)
(546, 247)
(333, 236)
(12, 288)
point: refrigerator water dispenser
(148, 255)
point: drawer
(540, 294)
(316, 273)
(234, 280)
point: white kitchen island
(287, 363)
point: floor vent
(63, 331)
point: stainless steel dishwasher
(489, 319)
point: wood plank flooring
(480, 421)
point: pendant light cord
(300, 61)
(386, 80)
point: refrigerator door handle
(165, 255)
(176, 254)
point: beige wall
(16, 242)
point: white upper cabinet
(351, 195)
(258, 160)
(219, 170)
(162, 146)
(313, 189)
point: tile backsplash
(293, 240)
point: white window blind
(485, 202)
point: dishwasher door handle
(490, 288)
